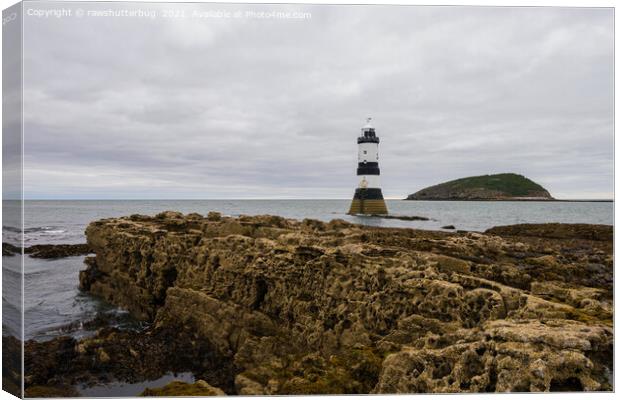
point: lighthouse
(368, 198)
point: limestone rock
(177, 388)
(294, 307)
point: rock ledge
(294, 307)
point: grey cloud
(125, 107)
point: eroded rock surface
(310, 307)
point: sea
(55, 306)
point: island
(507, 186)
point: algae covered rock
(299, 307)
(51, 391)
(177, 388)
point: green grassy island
(508, 186)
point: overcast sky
(130, 107)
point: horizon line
(292, 199)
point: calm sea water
(65, 221)
(54, 305)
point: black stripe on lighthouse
(368, 194)
(368, 139)
(368, 168)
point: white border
(534, 3)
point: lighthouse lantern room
(368, 198)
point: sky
(195, 106)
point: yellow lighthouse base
(368, 207)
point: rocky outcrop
(9, 250)
(556, 231)
(293, 307)
(403, 217)
(48, 250)
(112, 355)
(57, 250)
(175, 388)
(12, 365)
(507, 186)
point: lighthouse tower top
(368, 133)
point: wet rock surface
(556, 231)
(12, 365)
(48, 250)
(9, 250)
(57, 250)
(115, 355)
(199, 388)
(267, 305)
(403, 217)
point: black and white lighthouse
(368, 198)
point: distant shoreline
(310, 199)
(523, 200)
